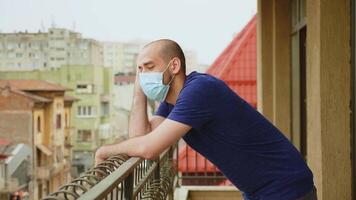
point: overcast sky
(206, 26)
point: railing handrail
(109, 182)
(135, 175)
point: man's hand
(148, 146)
(100, 155)
(138, 123)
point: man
(252, 153)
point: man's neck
(175, 89)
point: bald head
(167, 49)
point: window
(79, 110)
(105, 109)
(86, 111)
(85, 88)
(84, 136)
(66, 120)
(58, 121)
(298, 76)
(38, 124)
(18, 55)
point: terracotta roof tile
(70, 98)
(237, 64)
(33, 97)
(33, 85)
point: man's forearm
(138, 124)
(133, 147)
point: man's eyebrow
(147, 63)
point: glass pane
(295, 73)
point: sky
(205, 26)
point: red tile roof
(4, 142)
(124, 79)
(4, 145)
(70, 98)
(237, 64)
(191, 161)
(32, 85)
(33, 97)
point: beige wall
(328, 83)
(264, 58)
(328, 86)
(38, 113)
(273, 65)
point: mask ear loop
(171, 79)
(172, 76)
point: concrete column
(265, 58)
(328, 96)
(281, 65)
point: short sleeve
(193, 106)
(163, 109)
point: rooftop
(33, 85)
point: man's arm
(139, 124)
(148, 146)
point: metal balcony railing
(121, 177)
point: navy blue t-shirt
(249, 150)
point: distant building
(113, 55)
(47, 50)
(94, 116)
(35, 113)
(121, 56)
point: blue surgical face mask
(152, 85)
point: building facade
(93, 115)
(47, 50)
(306, 82)
(33, 113)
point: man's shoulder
(201, 86)
(201, 80)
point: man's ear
(176, 64)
